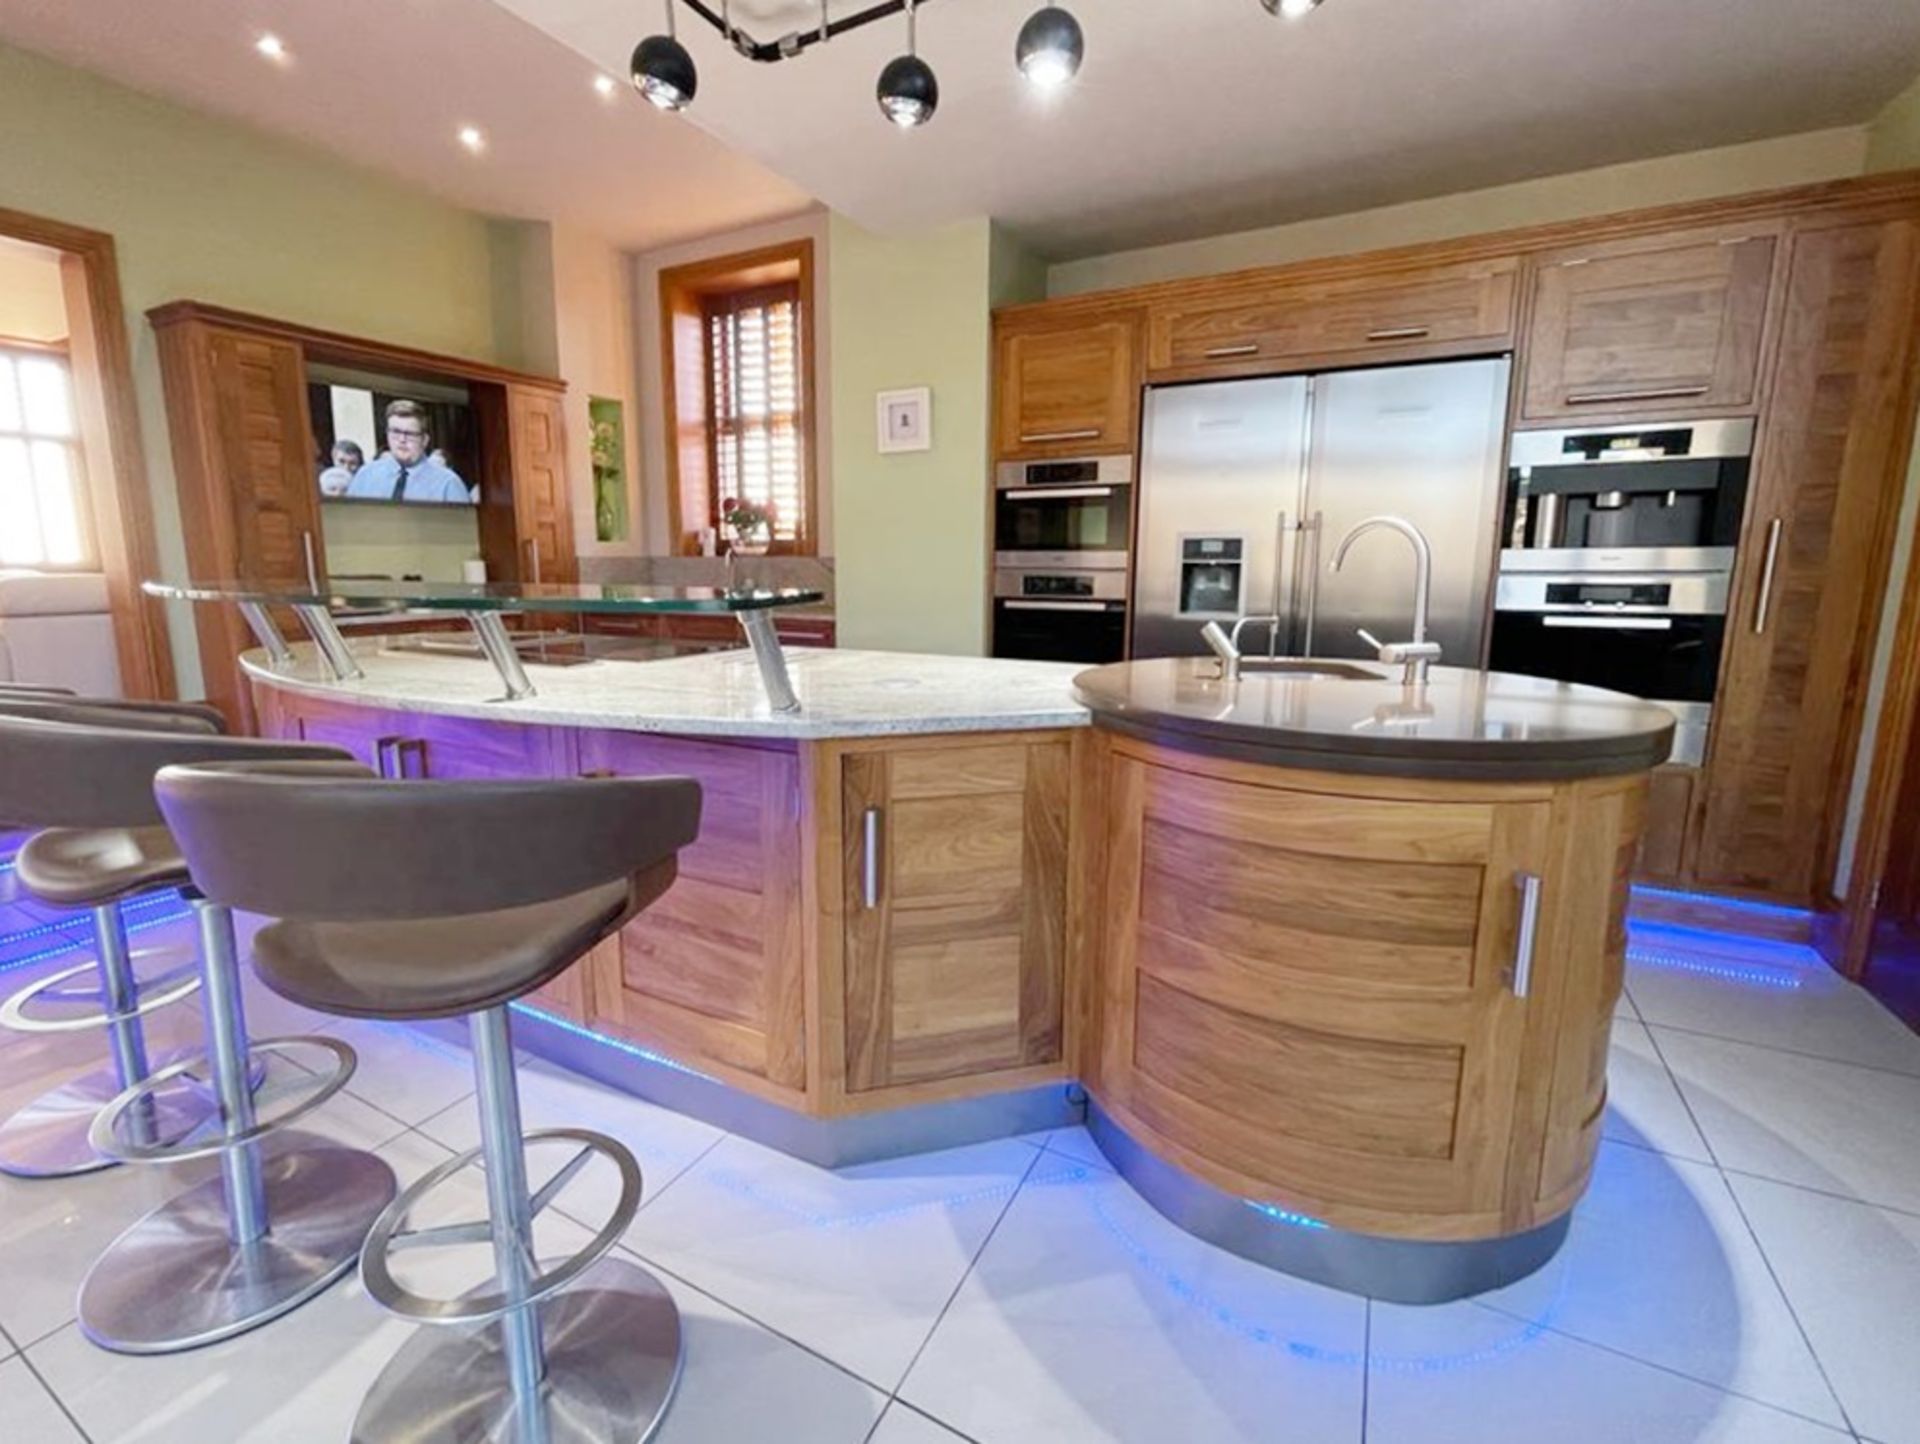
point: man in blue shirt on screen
(404, 471)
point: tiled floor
(1746, 1269)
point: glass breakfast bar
(485, 606)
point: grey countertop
(1464, 724)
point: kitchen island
(1333, 959)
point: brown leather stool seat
(417, 900)
(82, 866)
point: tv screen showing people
(375, 446)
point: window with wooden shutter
(755, 399)
(44, 517)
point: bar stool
(48, 1137)
(420, 900)
(273, 1229)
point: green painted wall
(209, 211)
(910, 530)
(1893, 140)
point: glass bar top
(351, 594)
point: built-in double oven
(1618, 563)
(1062, 531)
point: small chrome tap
(1419, 654)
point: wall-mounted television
(388, 440)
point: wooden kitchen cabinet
(713, 970)
(1812, 559)
(1444, 310)
(526, 515)
(1661, 325)
(952, 872)
(1067, 386)
(1663, 846)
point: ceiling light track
(792, 44)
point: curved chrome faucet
(1418, 654)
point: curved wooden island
(1360, 948)
(1271, 925)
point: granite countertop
(1463, 724)
(710, 694)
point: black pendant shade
(1050, 47)
(664, 73)
(908, 92)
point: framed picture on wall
(905, 419)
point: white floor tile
(1821, 1013)
(405, 1071)
(1661, 1265)
(51, 1230)
(28, 1414)
(906, 1426)
(1643, 1106)
(1090, 1317)
(1461, 1374)
(1852, 1274)
(664, 1142)
(856, 1263)
(1077, 1144)
(1803, 1120)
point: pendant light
(1291, 9)
(908, 93)
(1050, 47)
(663, 71)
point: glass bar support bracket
(772, 659)
(326, 636)
(494, 641)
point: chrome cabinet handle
(533, 559)
(385, 759)
(1220, 353)
(1400, 333)
(418, 747)
(1522, 978)
(870, 858)
(313, 571)
(1765, 604)
(1019, 606)
(1092, 433)
(1055, 493)
(1652, 393)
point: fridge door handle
(1274, 609)
(1310, 544)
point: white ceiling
(1192, 117)
(389, 83)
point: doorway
(77, 498)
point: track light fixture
(1050, 47)
(1048, 52)
(908, 93)
(663, 71)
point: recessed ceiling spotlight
(1291, 9)
(604, 86)
(274, 48)
(472, 138)
(907, 92)
(663, 71)
(1050, 47)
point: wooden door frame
(117, 489)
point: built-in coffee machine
(1618, 563)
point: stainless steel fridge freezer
(1246, 487)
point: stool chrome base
(176, 1280)
(613, 1353)
(48, 1138)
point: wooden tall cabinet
(245, 463)
(1818, 527)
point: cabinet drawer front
(1067, 391)
(1253, 328)
(1637, 327)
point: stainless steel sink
(1309, 667)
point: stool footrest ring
(154, 994)
(110, 1138)
(391, 1235)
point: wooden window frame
(691, 474)
(109, 416)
